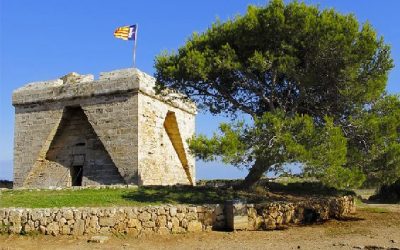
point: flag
(126, 32)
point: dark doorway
(76, 175)
(78, 148)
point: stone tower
(77, 131)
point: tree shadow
(306, 189)
(179, 194)
(350, 218)
(219, 195)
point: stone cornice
(75, 86)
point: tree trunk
(255, 174)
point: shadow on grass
(350, 218)
(218, 195)
(180, 194)
(306, 189)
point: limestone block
(42, 229)
(107, 221)
(79, 227)
(62, 221)
(184, 223)
(68, 214)
(53, 229)
(194, 226)
(145, 216)
(259, 220)
(134, 223)
(161, 211)
(180, 216)
(98, 239)
(270, 223)
(172, 211)
(191, 216)
(131, 215)
(279, 219)
(175, 222)
(15, 228)
(14, 217)
(65, 230)
(29, 227)
(161, 221)
(43, 220)
(120, 227)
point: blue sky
(45, 39)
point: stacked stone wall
(170, 218)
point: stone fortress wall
(171, 218)
(115, 130)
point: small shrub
(388, 193)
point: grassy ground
(142, 196)
(115, 197)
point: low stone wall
(170, 219)
(277, 215)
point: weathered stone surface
(68, 214)
(149, 224)
(270, 216)
(161, 221)
(98, 239)
(145, 216)
(65, 230)
(175, 222)
(195, 226)
(53, 229)
(14, 217)
(93, 127)
(42, 229)
(107, 221)
(79, 227)
(135, 223)
(172, 211)
(270, 223)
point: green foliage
(375, 140)
(308, 77)
(342, 178)
(229, 146)
(279, 140)
(291, 57)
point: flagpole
(134, 47)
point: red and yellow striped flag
(126, 32)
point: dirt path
(372, 225)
